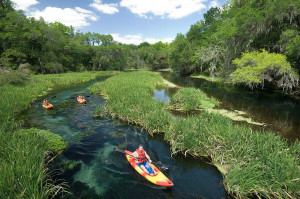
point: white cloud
(77, 17)
(173, 9)
(24, 4)
(213, 4)
(128, 39)
(137, 39)
(110, 8)
(153, 41)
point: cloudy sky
(128, 21)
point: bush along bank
(24, 154)
(253, 163)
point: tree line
(53, 47)
(219, 45)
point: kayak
(160, 179)
(81, 101)
(49, 106)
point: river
(91, 167)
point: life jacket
(142, 156)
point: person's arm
(134, 154)
(148, 157)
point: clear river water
(91, 167)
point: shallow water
(91, 167)
(280, 113)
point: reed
(129, 98)
(253, 163)
(23, 153)
(189, 99)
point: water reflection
(279, 112)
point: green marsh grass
(253, 163)
(23, 171)
(129, 98)
(189, 99)
(23, 153)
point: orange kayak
(81, 101)
(49, 106)
(160, 179)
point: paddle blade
(120, 151)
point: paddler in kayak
(45, 102)
(142, 159)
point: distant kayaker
(80, 97)
(45, 102)
(141, 158)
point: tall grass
(254, 163)
(129, 98)
(23, 173)
(23, 153)
(188, 99)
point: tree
(257, 67)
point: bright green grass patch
(129, 98)
(54, 143)
(257, 163)
(23, 171)
(188, 99)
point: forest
(233, 42)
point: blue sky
(128, 21)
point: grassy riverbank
(23, 153)
(252, 162)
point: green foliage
(14, 77)
(257, 67)
(188, 99)
(257, 163)
(23, 170)
(180, 53)
(129, 98)
(54, 142)
(237, 27)
(52, 67)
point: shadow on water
(93, 169)
(280, 113)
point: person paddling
(141, 158)
(80, 97)
(45, 102)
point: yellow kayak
(160, 179)
(49, 106)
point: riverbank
(252, 162)
(23, 153)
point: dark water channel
(277, 111)
(91, 167)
